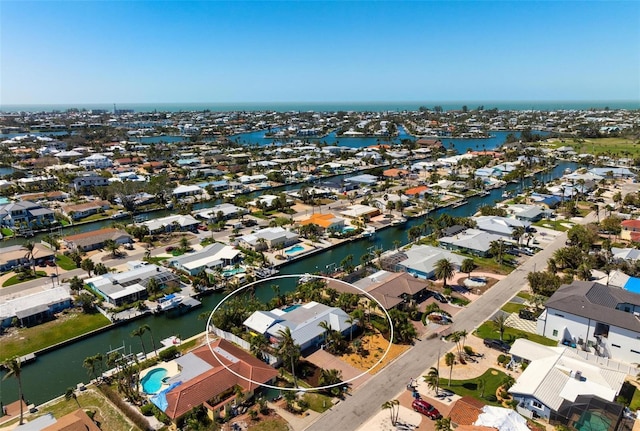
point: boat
(567, 171)
(485, 193)
(369, 232)
(460, 203)
(169, 302)
(506, 194)
(399, 221)
(120, 214)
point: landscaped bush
(491, 398)
(468, 350)
(147, 409)
(132, 414)
(168, 354)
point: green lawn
(19, 278)
(492, 380)
(635, 401)
(512, 307)
(524, 295)
(65, 262)
(27, 340)
(156, 260)
(270, 424)
(111, 419)
(318, 402)
(487, 330)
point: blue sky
(307, 51)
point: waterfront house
(599, 319)
(625, 254)
(360, 212)
(25, 214)
(363, 180)
(74, 421)
(222, 211)
(630, 230)
(562, 387)
(302, 320)
(93, 240)
(327, 221)
(214, 255)
(80, 211)
(35, 308)
(472, 241)
(527, 213)
(212, 381)
(121, 288)
(185, 191)
(173, 223)
(96, 161)
(392, 289)
(417, 192)
(271, 237)
(420, 260)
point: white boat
(567, 171)
(369, 232)
(120, 214)
(168, 302)
(399, 221)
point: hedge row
(130, 412)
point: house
(472, 241)
(602, 320)
(34, 308)
(173, 223)
(503, 226)
(391, 289)
(130, 286)
(15, 255)
(302, 320)
(395, 173)
(625, 254)
(271, 237)
(223, 211)
(96, 161)
(79, 211)
(87, 181)
(211, 381)
(418, 191)
(630, 230)
(25, 214)
(95, 239)
(74, 421)
(364, 179)
(214, 255)
(185, 191)
(560, 386)
(465, 411)
(360, 212)
(609, 172)
(527, 213)
(420, 260)
(327, 221)
(429, 143)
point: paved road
(366, 401)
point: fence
(269, 358)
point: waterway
(52, 373)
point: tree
(543, 282)
(30, 247)
(153, 341)
(467, 266)
(331, 377)
(92, 365)
(496, 249)
(139, 332)
(100, 269)
(184, 244)
(112, 247)
(499, 323)
(394, 410)
(414, 233)
(14, 370)
(517, 233)
(88, 265)
(433, 379)
(289, 351)
(450, 360)
(444, 270)
(443, 424)
(71, 393)
(87, 301)
(75, 284)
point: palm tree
(350, 321)
(288, 349)
(71, 393)
(433, 379)
(444, 270)
(467, 266)
(394, 409)
(450, 360)
(138, 333)
(326, 327)
(112, 247)
(496, 249)
(30, 247)
(331, 377)
(14, 370)
(499, 323)
(153, 341)
(517, 233)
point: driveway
(323, 359)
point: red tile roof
(416, 190)
(466, 410)
(218, 379)
(634, 224)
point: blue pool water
(348, 229)
(234, 271)
(294, 249)
(290, 308)
(152, 381)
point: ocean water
(331, 106)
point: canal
(52, 373)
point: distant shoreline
(329, 106)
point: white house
(421, 260)
(602, 320)
(96, 161)
(212, 256)
(272, 236)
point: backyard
(488, 330)
(483, 387)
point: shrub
(147, 410)
(501, 358)
(468, 350)
(491, 398)
(168, 354)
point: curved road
(387, 383)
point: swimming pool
(348, 229)
(294, 249)
(152, 381)
(592, 421)
(234, 271)
(290, 308)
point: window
(615, 345)
(559, 315)
(536, 404)
(635, 351)
(555, 333)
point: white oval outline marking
(298, 389)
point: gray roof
(596, 301)
(191, 366)
(472, 239)
(423, 258)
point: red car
(421, 406)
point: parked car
(169, 249)
(440, 297)
(512, 252)
(421, 406)
(497, 344)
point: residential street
(366, 401)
